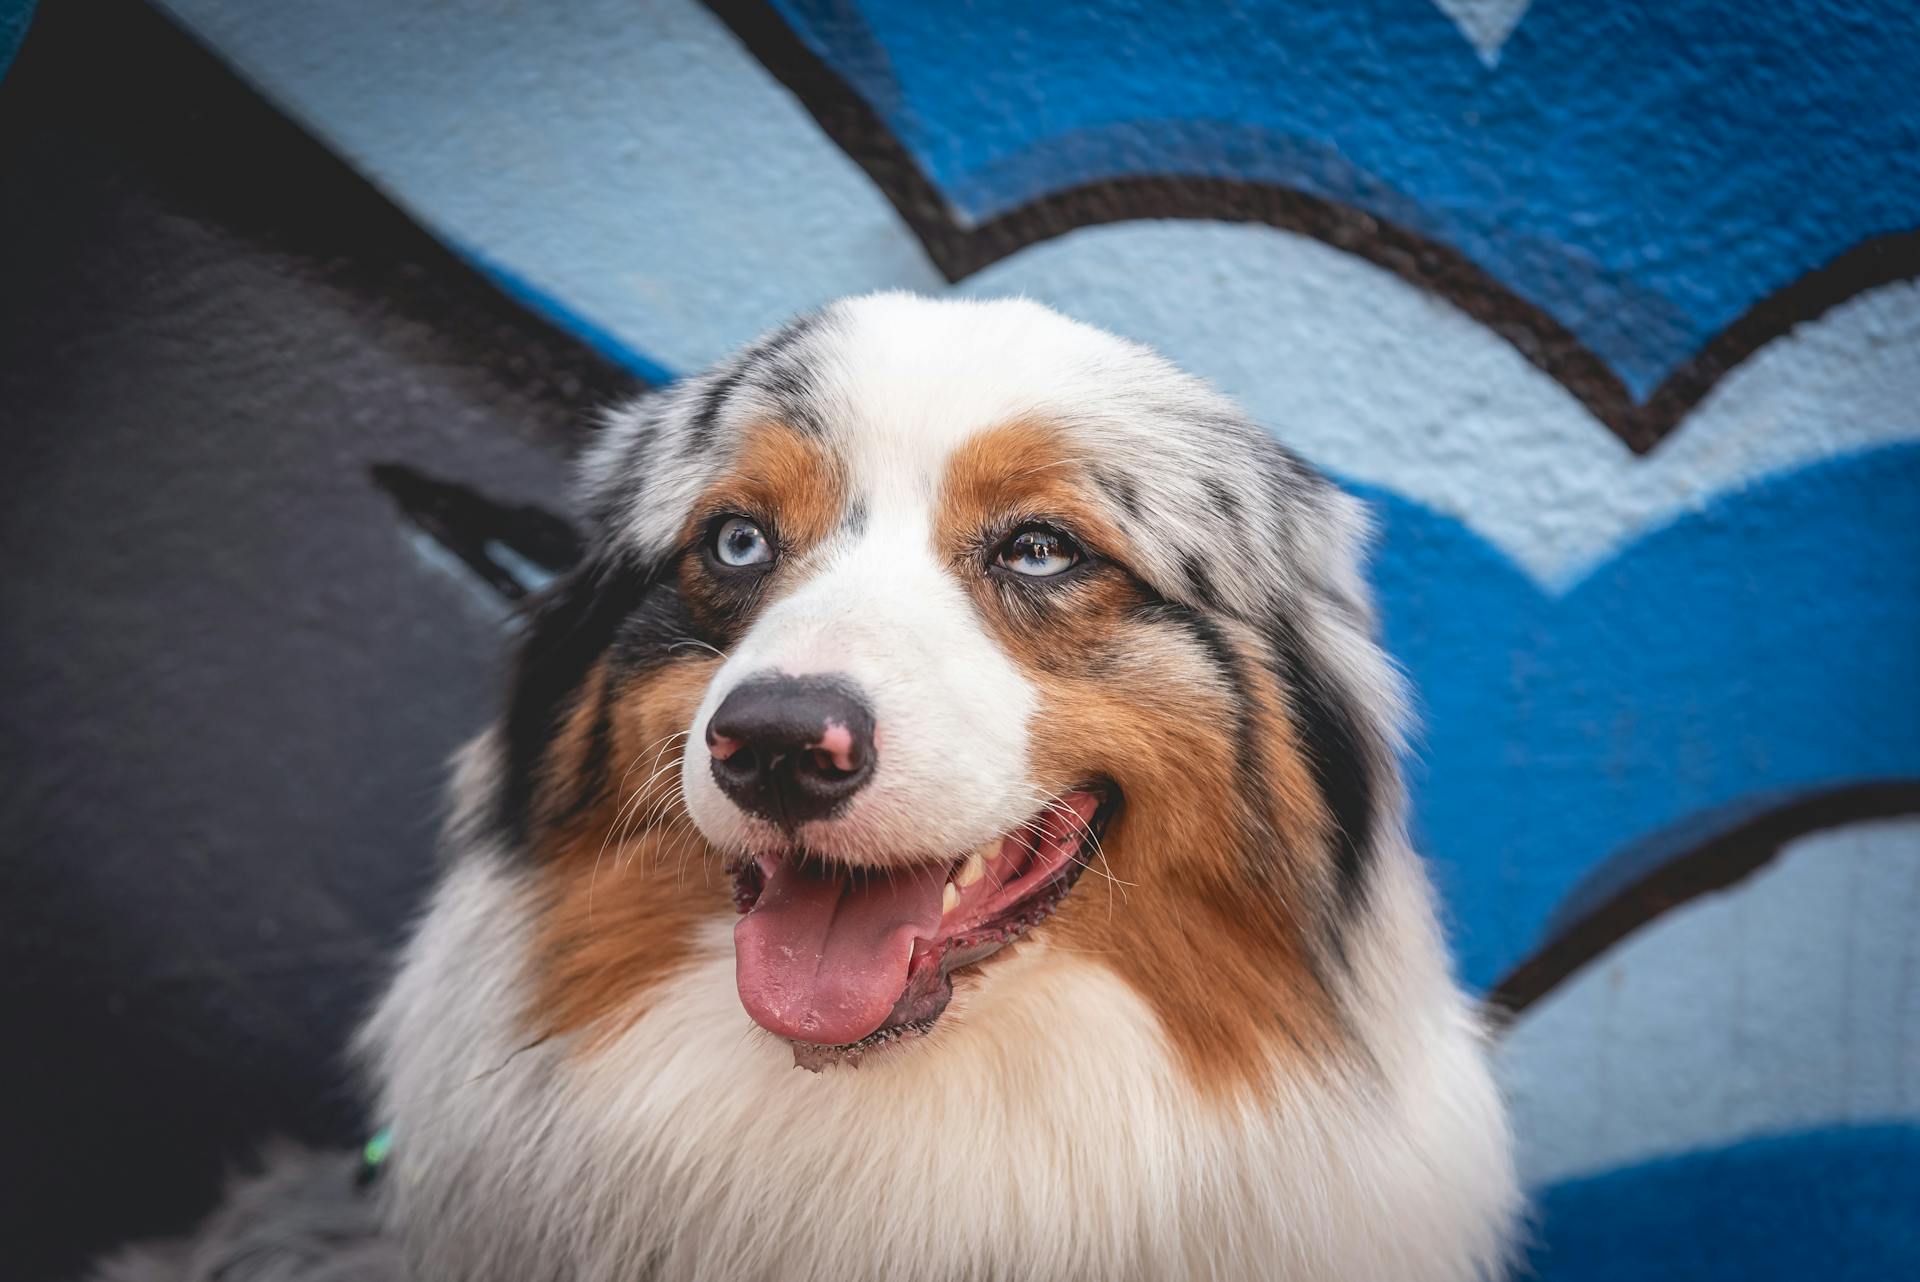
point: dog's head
(920, 628)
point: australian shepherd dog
(948, 827)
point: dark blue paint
(1644, 171)
(1822, 1206)
(1769, 642)
(15, 16)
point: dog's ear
(1341, 690)
(567, 629)
(1348, 754)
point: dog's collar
(373, 1157)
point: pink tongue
(822, 957)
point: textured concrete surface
(1609, 308)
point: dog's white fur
(1045, 1134)
(1046, 1129)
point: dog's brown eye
(1038, 552)
(740, 542)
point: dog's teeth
(949, 899)
(971, 871)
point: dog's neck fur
(1048, 1135)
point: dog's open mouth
(840, 959)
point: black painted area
(513, 548)
(228, 679)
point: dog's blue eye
(739, 541)
(1038, 552)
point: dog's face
(924, 628)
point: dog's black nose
(791, 749)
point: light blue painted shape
(1770, 641)
(1789, 1001)
(1645, 171)
(564, 315)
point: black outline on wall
(1722, 860)
(959, 251)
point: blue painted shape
(564, 316)
(1770, 641)
(1821, 1206)
(15, 17)
(1644, 171)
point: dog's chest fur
(1062, 1143)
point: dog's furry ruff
(1050, 1136)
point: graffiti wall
(1610, 309)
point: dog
(949, 826)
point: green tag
(378, 1147)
